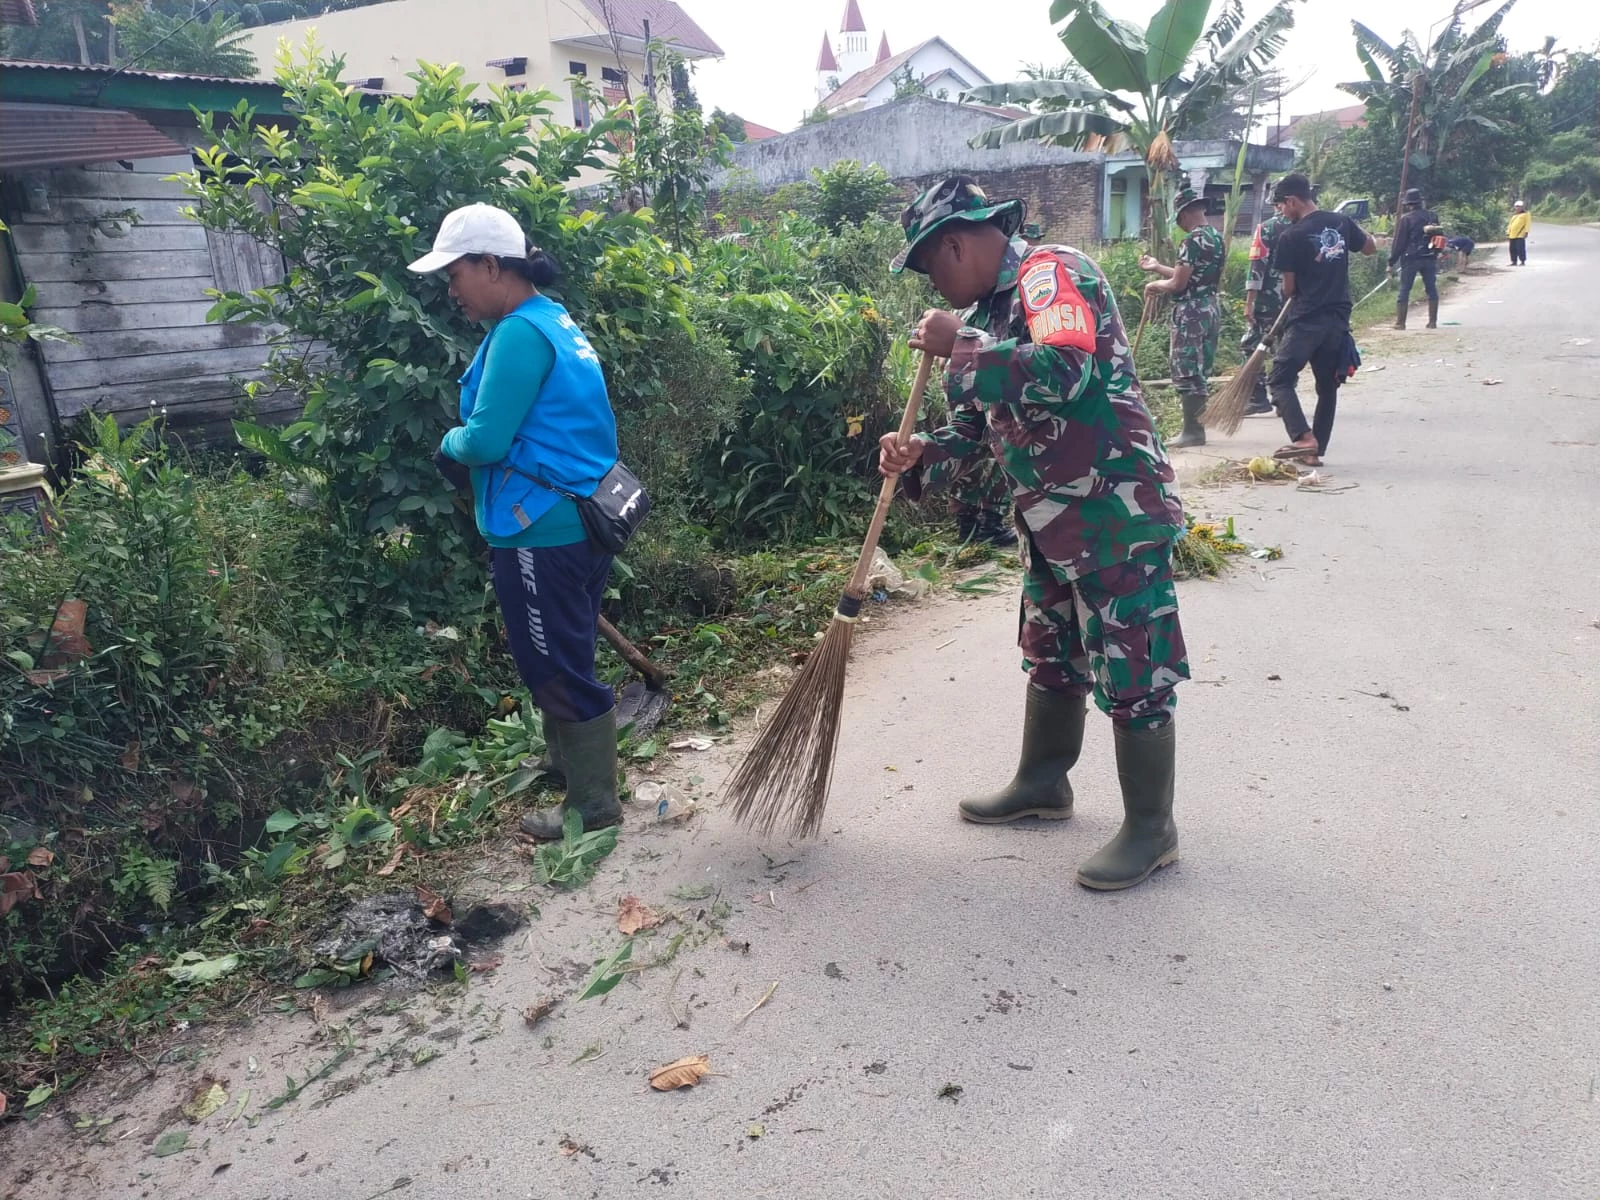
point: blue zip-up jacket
(565, 433)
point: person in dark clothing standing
(1313, 255)
(1413, 251)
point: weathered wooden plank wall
(117, 263)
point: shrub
(848, 194)
(1484, 221)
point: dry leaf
(40, 857)
(632, 916)
(686, 1072)
(208, 1098)
(535, 1013)
(2, 1104)
(388, 868)
(570, 1147)
(487, 965)
(14, 889)
(130, 757)
(433, 906)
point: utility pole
(649, 64)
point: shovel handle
(653, 674)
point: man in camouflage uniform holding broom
(1040, 375)
(980, 500)
(1263, 302)
(1196, 313)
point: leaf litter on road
(685, 1072)
(633, 915)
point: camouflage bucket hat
(1184, 198)
(958, 198)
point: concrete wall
(921, 141)
(909, 139)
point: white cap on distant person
(1519, 204)
(475, 229)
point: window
(580, 94)
(614, 85)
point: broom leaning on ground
(1225, 412)
(785, 775)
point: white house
(849, 78)
(520, 43)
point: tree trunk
(83, 42)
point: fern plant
(146, 879)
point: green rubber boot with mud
(588, 756)
(1148, 838)
(1052, 737)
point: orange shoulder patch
(1058, 315)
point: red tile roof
(757, 133)
(862, 82)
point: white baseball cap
(475, 229)
(1519, 204)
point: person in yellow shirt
(1517, 231)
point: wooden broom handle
(908, 426)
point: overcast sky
(768, 75)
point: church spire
(826, 61)
(883, 49)
(852, 19)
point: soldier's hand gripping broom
(785, 775)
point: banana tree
(1150, 85)
(1440, 87)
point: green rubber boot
(588, 754)
(1052, 736)
(1194, 433)
(1148, 839)
(550, 762)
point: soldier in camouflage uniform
(1263, 302)
(1197, 313)
(1040, 376)
(980, 501)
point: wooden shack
(97, 228)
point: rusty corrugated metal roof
(18, 12)
(60, 135)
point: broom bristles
(1224, 412)
(785, 776)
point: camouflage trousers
(1264, 317)
(1196, 325)
(1114, 632)
(980, 486)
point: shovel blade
(640, 708)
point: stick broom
(785, 776)
(1225, 411)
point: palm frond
(1373, 46)
(1031, 91)
(1077, 128)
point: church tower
(853, 53)
(828, 74)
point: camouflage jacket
(1042, 375)
(1205, 256)
(1265, 286)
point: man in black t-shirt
(1313, 255)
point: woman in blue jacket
(534, 412)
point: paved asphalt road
(1375, 974)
